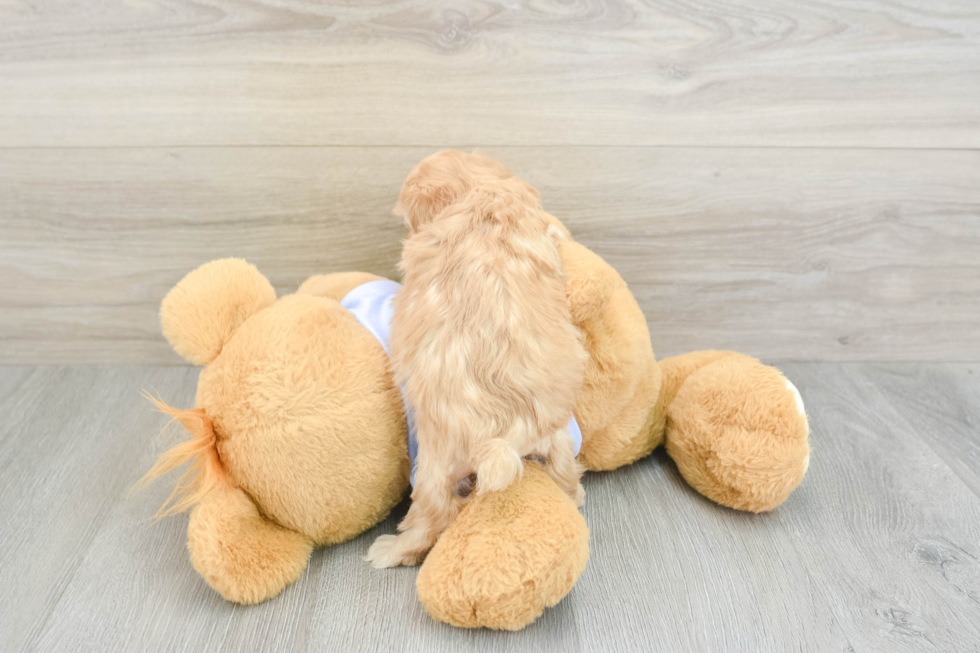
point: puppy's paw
(578, 495)
(389, 551)
(380, 553)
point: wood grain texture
(71, 444)
(875, 73)
(780, 253)
(942, 404)
(876, 551)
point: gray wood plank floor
(878, 550)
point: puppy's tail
(499, 466)
(206, 472)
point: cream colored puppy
(482, 343)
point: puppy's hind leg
(564, 468)
(497, 466)
(433, 509)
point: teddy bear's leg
(243, 556)
(507, 557)
(736, 428)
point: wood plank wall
(795, 180)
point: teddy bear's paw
(391, 551)
(738, 433)
(506, 557)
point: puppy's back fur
(481, 339)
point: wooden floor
(878, 550)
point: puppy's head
(442, 179)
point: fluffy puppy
(481, 342)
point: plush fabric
(306, 418)
(243, 556)
(335, 286)
(209, 304)
(621, 388)
(736, 431)
(507, 557)
(304, 438)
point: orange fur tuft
(205, 473)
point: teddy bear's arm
(589, 281)
(335, 286)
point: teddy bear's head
(305, 416)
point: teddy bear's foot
(573, 488)
(506, 557)
(736, 429)
(243, 556)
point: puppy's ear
(202, 312)
(435, 183)
(401, 212)
(423, 199)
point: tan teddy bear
(299, 439)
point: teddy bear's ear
(201, 312)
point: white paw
(796, 395)
(382, 553)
